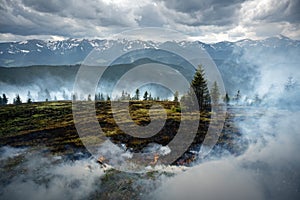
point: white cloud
(211, 21)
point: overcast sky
(205, 20)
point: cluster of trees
(99, 97)
(199, 86)
(3, 99)
(17, 100)
(205, 98)
(147, 96)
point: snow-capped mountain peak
(72, 50)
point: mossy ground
(51, 124)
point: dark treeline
(205, 97)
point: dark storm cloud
(64, 17)
(189, 6)
(220, 12)
(207, 19)
(18, 20)
(97, 11)
(294, 11)
(209, 12)
(50, 6)
(288, 11)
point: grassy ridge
(39, 124)
(51, 124)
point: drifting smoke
(274, 66)
(39, 90)
(8, 152)
(270, 168)
(44, 177)
(38, 175)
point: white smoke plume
(270, 167)
(46, 177)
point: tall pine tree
(199, 85)
(226, 99)
(176, 96)
(215, 94)
(137, 94)
(4, 99)
(145, 97)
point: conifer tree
(4, 99)
(101, 97)
(145, 97)
(65, 96)
(123, 95)
(226, 99)
(89, 97)
(238, 96)
(150, 97)
(128, 97)
(74, 97)
(176, 96)
(199, 85)
(137, 94)
(215, 94)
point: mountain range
(54, 64)
(74, 51)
